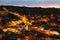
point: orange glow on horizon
(44, 6)
(48, 6)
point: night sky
(32, 3)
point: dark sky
(32, 3)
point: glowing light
(10, 29)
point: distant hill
(32, 10)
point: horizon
(32, 3)
(32, 6)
